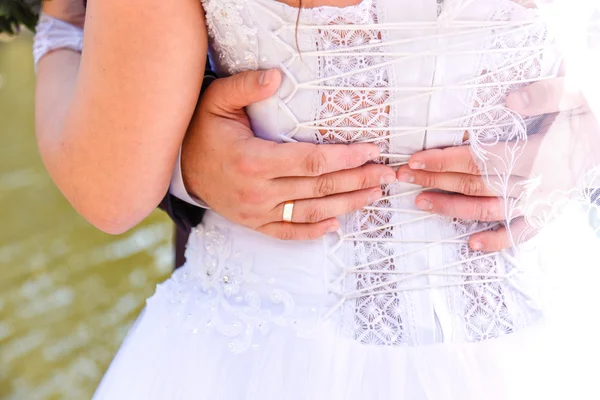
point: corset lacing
(499, 119)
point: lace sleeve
(53, 34)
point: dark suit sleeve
(186, 216)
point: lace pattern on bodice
(214, 294)
(370, 319)
(356, 100)
(485, 307)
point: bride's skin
(112, 147)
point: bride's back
(408, 76)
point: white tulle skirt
(165, 357)
(155, 363)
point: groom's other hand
(247, 179)
(455, 170)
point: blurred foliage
(14, 13)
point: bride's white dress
(395, 305)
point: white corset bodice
(407, 75)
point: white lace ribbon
(52, 34)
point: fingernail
(375, 195)
(416, 165)
(477, 245)
(265, 77)
(332, 228)
(387, 179)
(425, 205)
(406, 177)
(519, 100)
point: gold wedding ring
(288, 211)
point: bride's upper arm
(138, 84)
(142, 64)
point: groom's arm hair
(184, 215)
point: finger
(317, 210)
(503, 238)
(367, 176)
(545, 97)
(290, 231)
(307, 159)
(450, 159)
(461, 206)
(232, 94)
(471, 185)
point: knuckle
(239, 84)
(285, 233)
(244, 217)
(469, 186)
(482, 211)
(248, 219)
(236, 154)
(313, 233)
(251, 196)
(314, 214)
(487, 213)
(239, 198)
(426, 179)
(440, 165)
(316, 163)
(472, 166)
(351, 159)
(364, 181)
(324, 186)
(435, 159)
(245, 165)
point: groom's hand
(454, 170)
(247, 179)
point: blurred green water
(68, 293)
